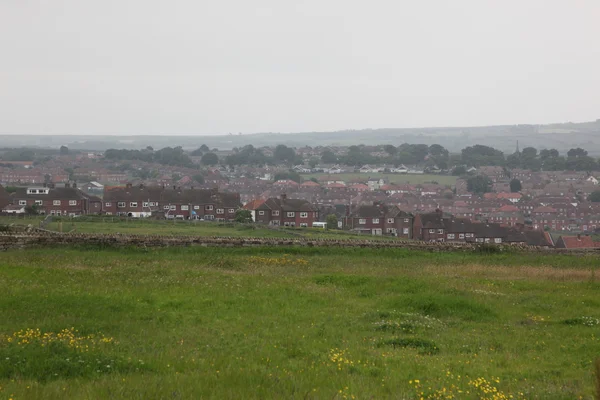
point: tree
(209, 159)
(284, 154)
(149, 148)
(594, 197)
(332, 221)
(479, 155)
(198, 178)
(479, 184)
(32, 210)
(64, 150)
(459, 170)
(515, 186)
(204, 148)
(328, 157)
(243, 216)
(313, 162)
(578, 152)
(390, 149)
(197, 153)
(291, 175)
(437, 150)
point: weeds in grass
(424, 346)
(459, 387)
(585, 321)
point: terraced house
(145, 201)
(50, 200)
(380, 219)
(286, 212)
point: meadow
(309, 323)
(412, 179)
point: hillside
(561, 136)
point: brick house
(4, 197)
(68, 200)
(145, 201)
(286, 212)
(380, 219)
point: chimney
(74, 185)
(67, 185)
(128, 186)
(283, 197)
(579, 236)
(141, 185)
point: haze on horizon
(199, 67)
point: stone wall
(12, 240)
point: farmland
(296, 323)
(412, 179)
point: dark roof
(62, 193)
(4, 197)
(170, 195)
(275, 203)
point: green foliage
(32, 209)
(332, 221)
(243, 216)
(284, 154)
(426, 347)
(578, 152)
(479, 155)
(328, 157)
(248, 155)
(64, 150)
(165, 156)
(459, 170)
(198, 178)
(390, 149)
(515, 185)
(210, 159)
(594, 197)
(290, 175)
(18, 155)
(479, 184)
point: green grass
(393, 178)
(110, 225)
(298, 323)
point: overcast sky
(214, 67)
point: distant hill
(561, 136)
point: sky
(216, 67)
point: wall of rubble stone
(14, 240)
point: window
(451, 236)
(196, 207)
(145, 204)
(133, 204)
(57, 212)
(405, 231)
(406, 219)
(121, 204)
(72, 202)
(461, 235)
(173, 207)
(56, 203)
(208, 208)
(362, 221)
(185, 208)
(303, 215)
(390, 230)
(220, 211)
(303, 225)
(275, 213)
(291, 214)
(231, 211)
(390, 220)
(107, 204)
(108, 213)
(498, 240)
(375, 220)
(479, 240)
(166, 207)
(432, 231)
(441, 231)
(261, 213)
(38, 202)
(292, 224)
(22, 202)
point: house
(175, 202)
(68, 200)
(252, 206)
(13, 209)
(380, 219)
(576, 242)
(286, 212)
(4, 197)
(592, 179)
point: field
(393, 178)
(111, 225)
(308, 323)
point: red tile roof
(578, 242)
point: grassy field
(307, 323)
(393, 178)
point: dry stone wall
(15, 240)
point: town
(410, 191)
